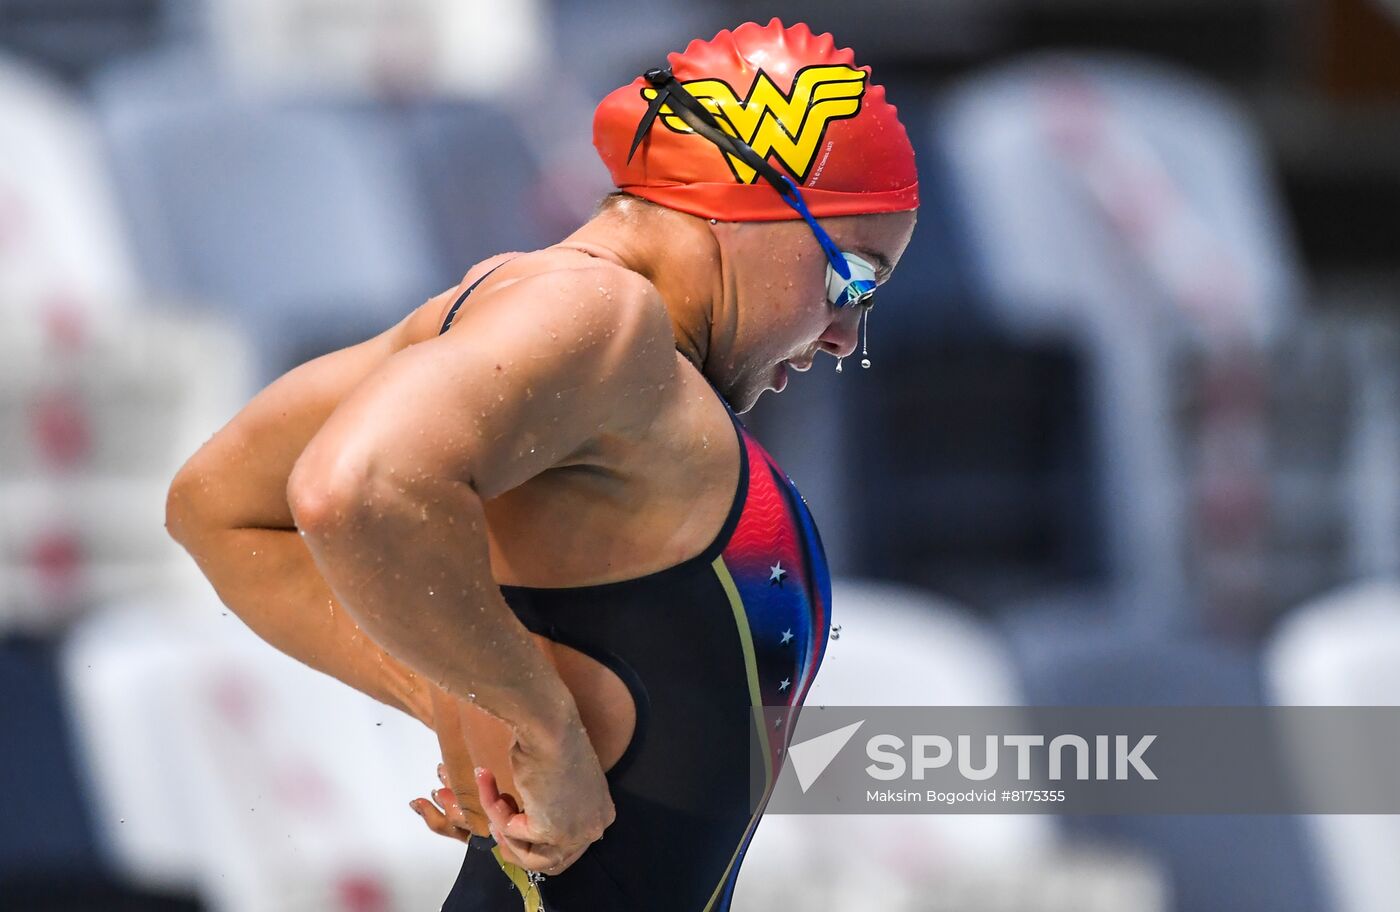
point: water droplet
(864, 327)
(836, 632)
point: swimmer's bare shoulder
(553, 354)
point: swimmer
(530, 516)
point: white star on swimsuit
(777, 573)
(787, 635)
(784, 684)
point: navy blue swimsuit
(743, 624)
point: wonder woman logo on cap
(789, 127)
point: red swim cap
(796, 98)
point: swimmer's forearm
(411, 563)
(267, 578)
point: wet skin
(560, 434)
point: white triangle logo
(811, 758)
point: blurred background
(1131, 434)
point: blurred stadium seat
(218, 765)
(101, 397)
(73, 36)
(63, 250)
(1125, 208)
(91, 431)
(1344, 650)
(301, 222)
(478, 179)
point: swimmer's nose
(841, 336)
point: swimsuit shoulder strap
(452, 314)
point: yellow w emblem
(790, 127)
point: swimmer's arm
(228, 507)
(390, 491)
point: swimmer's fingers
(511, 829)
(462, 809)
(507, 849)
(498, 807)
(437, 820)
(535, 856)
(534, 860)
(446, 800)
(445, 815)
(516, 831)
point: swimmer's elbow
(345, 497)
(181, 510)
(190, 501)
(327, 500)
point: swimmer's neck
(676, 252)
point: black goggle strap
(700, 119)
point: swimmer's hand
(443, 814)
(475, 802)
(568, 804)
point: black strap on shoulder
(451, 314)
